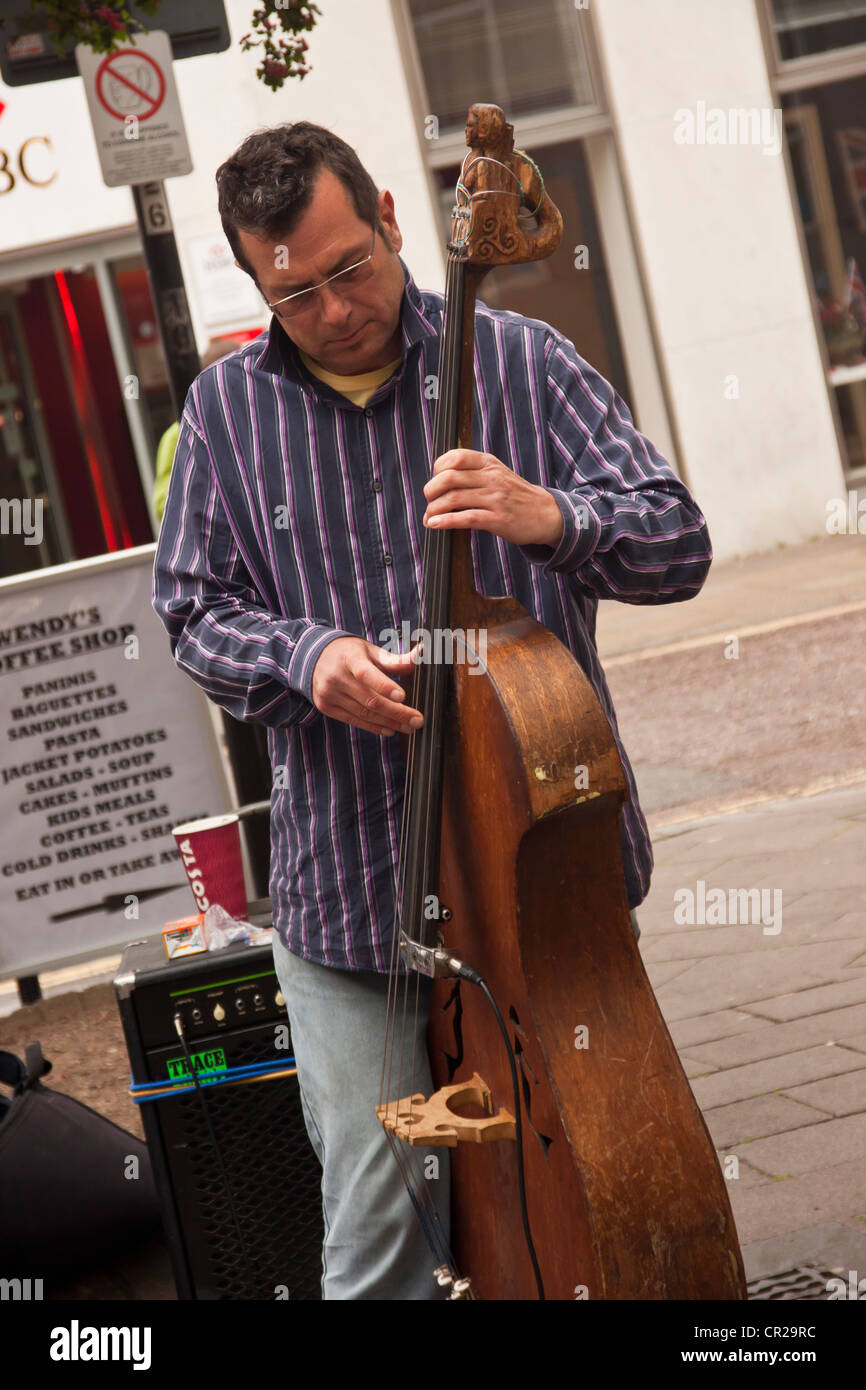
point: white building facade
(705, 155)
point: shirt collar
(280, 356)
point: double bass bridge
(438, 1122)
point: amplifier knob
(219, 1013)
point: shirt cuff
(302, 663)
(581, 529)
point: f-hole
(455, 998)
(528, 1079)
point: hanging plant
(103, 27)
(283, 52)
(278, 28)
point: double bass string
(421, 698)
(428, 696)
(433, 681)
(422, 808)
(429, 690)
(434, 586)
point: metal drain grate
(804, 1283)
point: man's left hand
(475, 491)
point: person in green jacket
(216, 350)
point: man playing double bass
(292, 541)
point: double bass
(581, 1166)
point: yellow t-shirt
(164, 460)
(358, 389)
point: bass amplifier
(238, 1181)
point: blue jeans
(374, 1245)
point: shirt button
(388, 560)
(368, 412)
(377, 486)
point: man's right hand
(356, 682)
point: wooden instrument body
(626, 1197)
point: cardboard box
(185, 937)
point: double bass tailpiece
(438, 1121)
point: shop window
(65, 434)
(522, 58)
(138, 317)
(570, 290)
(805, 27)
(826, 129)
(528, 60)
(30, 535)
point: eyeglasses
(302, 300)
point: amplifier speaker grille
(276, 1190)
(272, 1171)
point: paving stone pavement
(771, 1024)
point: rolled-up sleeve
(256, 665)
(631, 529)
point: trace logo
(22, 518)
(443, 646)
(213, 1061)
(738, 125)
(739, 906)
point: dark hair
(268, 182)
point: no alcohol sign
(129, 83)
(134, 107)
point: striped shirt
(293, 518)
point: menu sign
(104, 746)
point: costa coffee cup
(211, 853)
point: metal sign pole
(167, 289)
